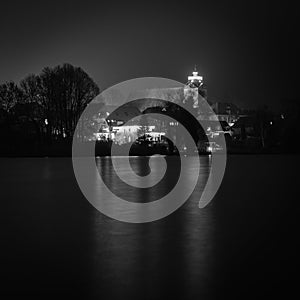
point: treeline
(46, 107)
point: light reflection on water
(54, 231)
(153, 256)
(53, 242)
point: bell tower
(195, 81)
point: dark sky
(246, 50)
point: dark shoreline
(62, 155)
(64, 149)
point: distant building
(228, 112)
(121, 123)
(122, 126)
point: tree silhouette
(10, 94)
(51, 102)
(66, 92)
(144, 124)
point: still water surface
(242, 245)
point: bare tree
(66, 92)
(10, 94)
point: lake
(243, 245)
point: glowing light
(195, 77)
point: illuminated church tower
(195, 81)
(195, 88)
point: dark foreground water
(243, 245)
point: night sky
(246, 50)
